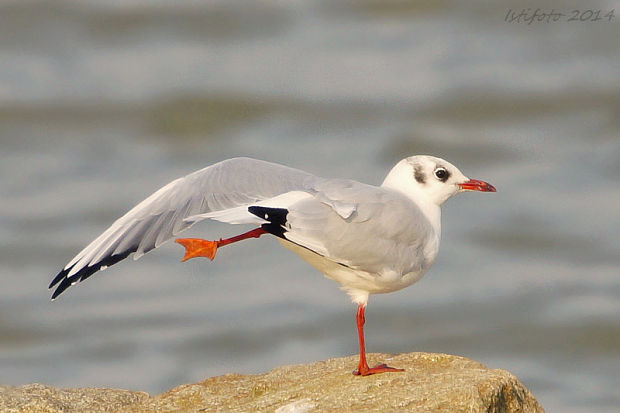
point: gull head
(424, 177)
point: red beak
(476, 185)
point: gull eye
(442, 174)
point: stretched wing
(227, 184)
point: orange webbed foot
(196, 247)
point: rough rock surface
(430, 383)
(42, 399)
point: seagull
(369, 239)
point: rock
(430, 383)
(43, 399)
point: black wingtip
(275, 216)
(65, 282)
(62, 274)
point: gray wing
(227, 184)
(361, 226)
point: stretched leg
(362, 368)
(196, 247)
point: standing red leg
(362, 368)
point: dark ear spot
(418, 174)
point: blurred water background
(103, 102)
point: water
(101, 103)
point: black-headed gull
(369, 239)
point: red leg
(362, 368)
(196, 247)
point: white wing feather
(228, 184)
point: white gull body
(369, 239)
